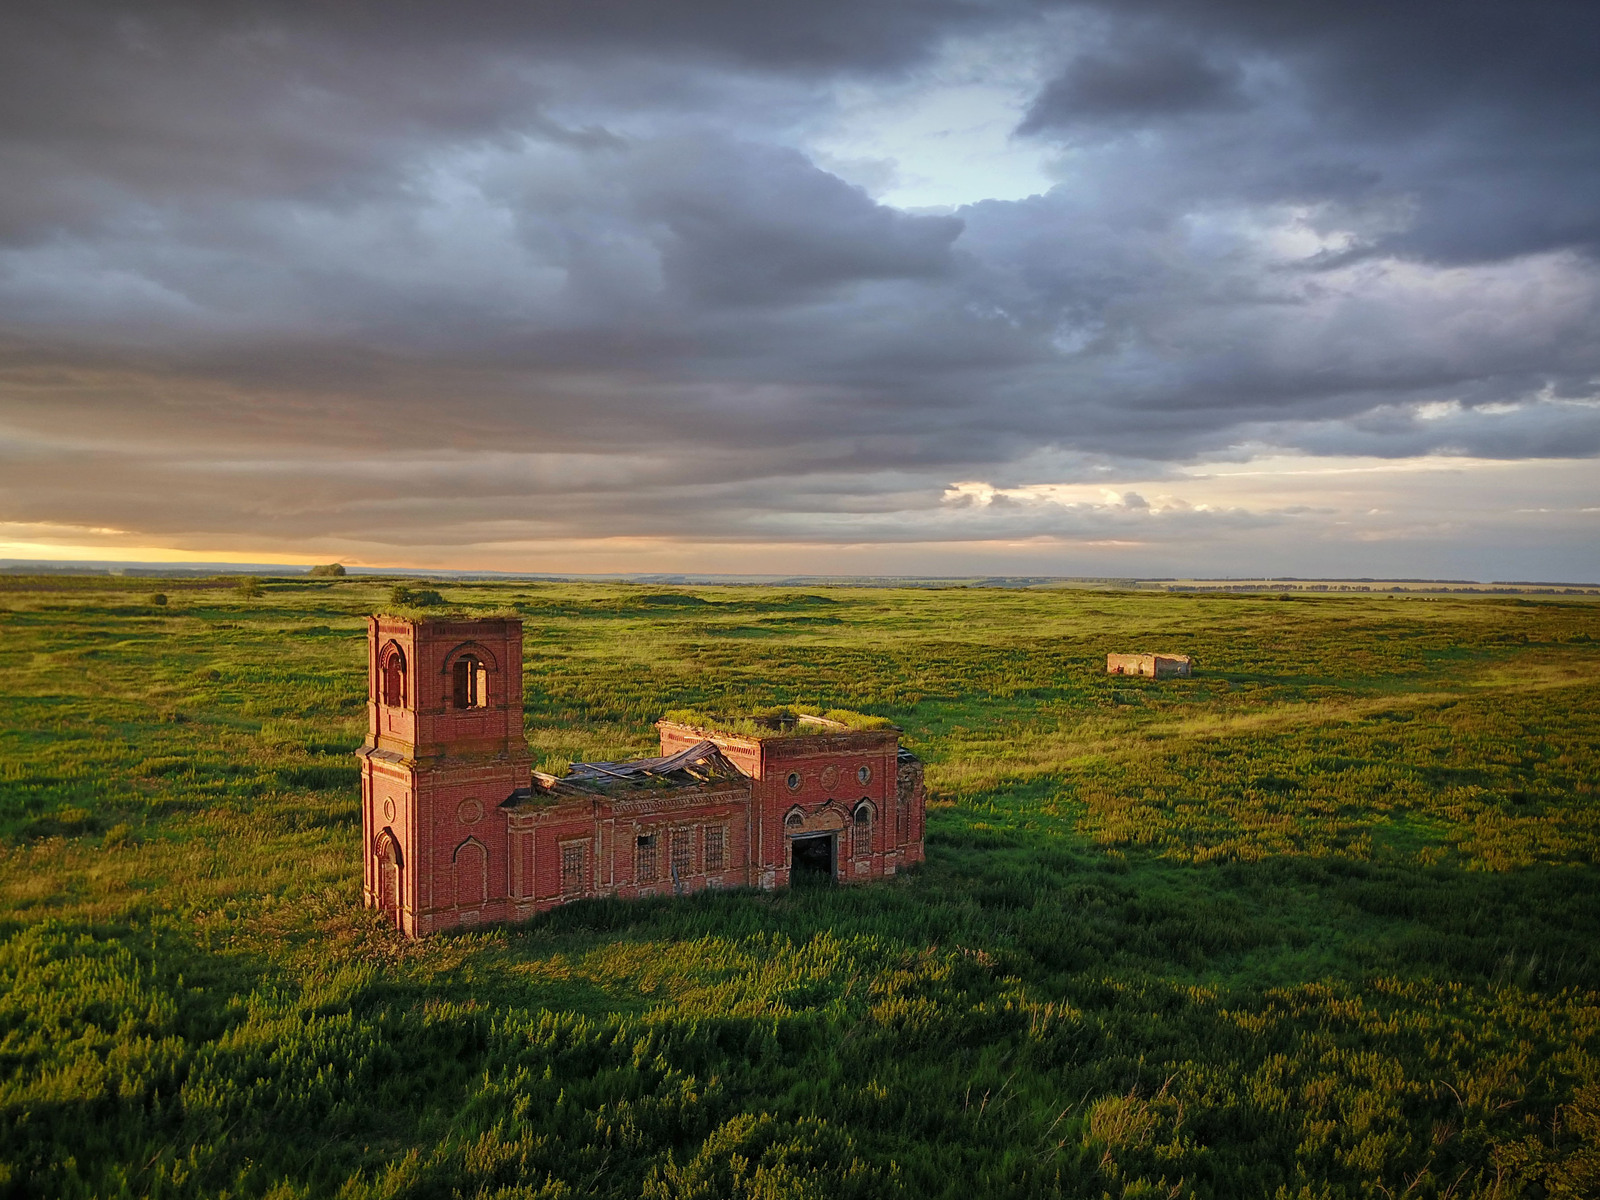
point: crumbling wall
(1151, 666)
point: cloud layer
(438, 280)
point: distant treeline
(1362, 587)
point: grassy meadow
(1322, 921)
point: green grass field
(1322, 921)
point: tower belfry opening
(469, 683)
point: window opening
(644, 859)
(716, 848)
(681, 852)
(471, 682)
(864, 774)
(572, 864)
(793, 781)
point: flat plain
(1322, 921)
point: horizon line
(157, 569)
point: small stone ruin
(1152, 666)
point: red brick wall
(829, 790)
(608, 830)
(446, 771)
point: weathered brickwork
(459, 831)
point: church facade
(460, 831)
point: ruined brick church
(459, 829)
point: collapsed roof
(700, 764)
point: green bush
(409, 597)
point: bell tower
(444, 750)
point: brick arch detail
(390, 655)
(490, 685)
(478, 651)
(830, 818)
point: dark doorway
(811, 860)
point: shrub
(327, 571)
(159, 599)
(249, 587)
(410, 597)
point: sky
(942, 287)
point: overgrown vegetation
(1317, 922)
(800, 720)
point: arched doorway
(389, 871)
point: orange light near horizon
(57, 552)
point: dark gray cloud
(1480, 112)
(1134, 84)
(761, 226)
(250, 252)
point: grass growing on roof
(799, 720)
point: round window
(794, 781)
(864, 774)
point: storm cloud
(485, 281)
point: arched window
(470, 682)
(861, 831)
(793, 821)
(392, 673)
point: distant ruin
(1154, 666)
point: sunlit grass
(1319, 921)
